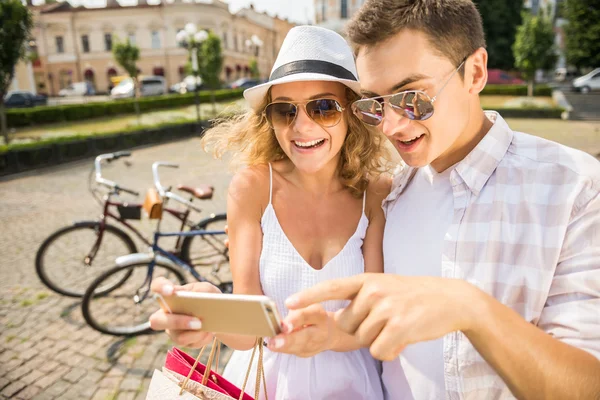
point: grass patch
(10, 338)
(42, 295)
(26, 303)
(490, 102)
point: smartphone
(250, 315)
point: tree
(534, 47)
(15, 27)
(211, 64)
(500, 21)
(582, 33)
(126, 55)
(254, 68)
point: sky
(300, 11)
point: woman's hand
(306, 332)
(184, 330)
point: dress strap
(270, 183)
(364, 200)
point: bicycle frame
(179, 262)
(107, 214)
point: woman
(305, 209)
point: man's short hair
(453, 27)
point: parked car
(78, 89)
(588, 82)
(244, 83)
(500, 77)
(23, 99)
(186, 86)
(149, 86)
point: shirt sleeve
(572, 311)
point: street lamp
(254, 42)
(191, 38)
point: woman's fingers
(163, 286)
(311, 315)
(191, 339)
(160, 321)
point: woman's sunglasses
(325, 112)
(415, 105)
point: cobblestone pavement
(46, 349)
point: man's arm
(532, 363)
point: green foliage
(515, 90)
(534, 45)
(582, 33)
(211, 61)
(500, 21)
(15, 28)
(254, 68)
(126, 55)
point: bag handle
(260, 372)
(216, 348)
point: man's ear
(476, 71)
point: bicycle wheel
(207, 250)
(125, 310)
(60, 261)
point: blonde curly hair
(251, 140)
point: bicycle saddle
(202, 192)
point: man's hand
(182, 329)
(389, 312)
(306, 332)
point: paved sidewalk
(46, 349)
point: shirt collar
(477, 167)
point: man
(492, 242)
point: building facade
(74, 44)
(334, 14)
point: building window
(131, 38)
(323, 10)
(235, 41)
(155, 40)
(225, 44)
(60, 44)
(85, 43)
(108, 41)
(344, 13)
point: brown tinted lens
(325, 112)
(369, 111)
(414, 105)
(280, 115)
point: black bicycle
(125, 309)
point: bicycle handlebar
(164, 192)
(110, 157)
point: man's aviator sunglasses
(415, 105)
(325, 112)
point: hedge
(78, 112)
(515, 90)
(28, 156)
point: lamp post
(254, 43)
(191, 38)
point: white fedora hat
(309, 53)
